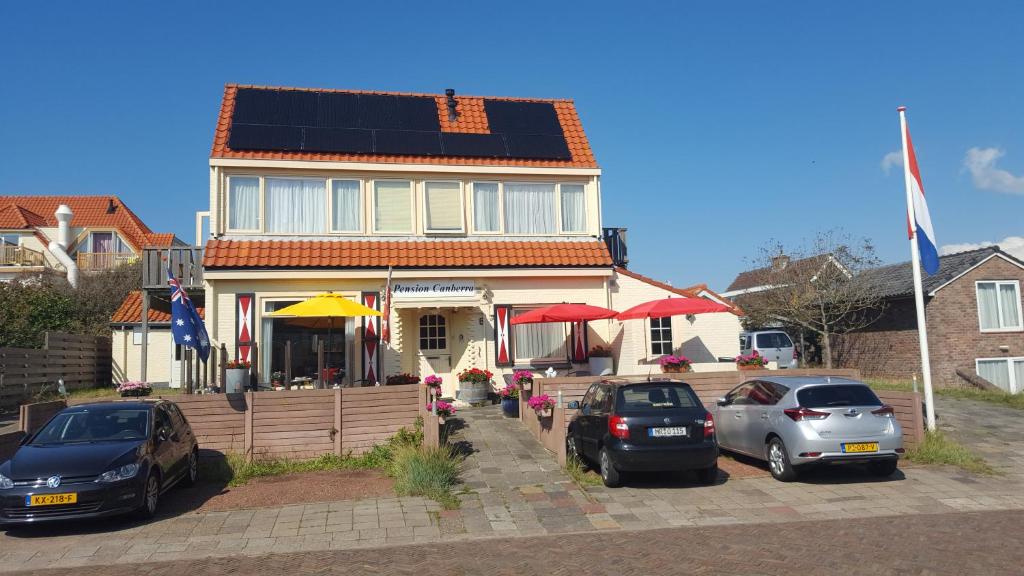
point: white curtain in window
(1009, 300)
(443, 206)
(574, 208)
(295, 205)
(988, 306)
(346, 213)
(539, 341)
(485, 207)
(530, 208)
(996, 372)
(392, 207)
(243, 203)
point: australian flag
(186, 325)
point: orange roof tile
(130, 311)
(403, 254)
(472, 119)
(26, 212)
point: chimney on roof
(780, 262)
(453, 114)
(111, 207)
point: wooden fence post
(338, 424)
(558, 431)
(188, 370)
(250, 407)
(287, 363)
(319, 363)
(431, 427)
(222, 375)
(918, 418)
(254, 366)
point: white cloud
(892, 160)
(981, 162)
(1013, 245)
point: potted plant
(134, 388)
(509, 400)
(600, 360)
(543, 405)
(752, 361)
(277, 380)
(433, 383)
(673, 363)
(237, 378)
(474, 384)
(403, 378)
(523, 379)
(444, 410)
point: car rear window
(654, 396)
(773, 340)
(837, 395)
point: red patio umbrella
(565, 313)
(672, 307)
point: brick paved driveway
(514, 488)
(954, 543)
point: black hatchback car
(96, 460)
(643, 426)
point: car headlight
(121, 473)
(5, 482)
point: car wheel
(883, 468)
(150, 497)
(708, 475)
(778, 461)
(192, 475)
(571, 449)
(609, 475)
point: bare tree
(815, 287)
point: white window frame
(586, 210)
(227, 204)
(263, 203)
(462, 208)
(999, 306)
(661, 328)
(412, 206)
(472, 208)
(562, 358)
(330, 207)
(1015, 386)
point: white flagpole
(915, 260)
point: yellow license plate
(860, 447)
(51, 499)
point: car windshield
(95, 425)
(837, 395)
(773, 340)
(654, 396)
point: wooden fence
(81, 361)
(709, 386)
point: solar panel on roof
(476, 145)
(338, 110)
(407, 142)
(348, 140)
(510, 117)
(258, 137)
(540, 146)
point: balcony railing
(185, 262)
(20, 256)
(615, 239)
(93, 261)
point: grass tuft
(430, 472)
(938, 448)
(999, 397)
(580, 473)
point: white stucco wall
(127, 357)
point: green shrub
(422, 471)
(938, 448)
(580, 473)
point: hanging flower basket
(523, 379)
(674, 364)
(543, 405)
(433, 383)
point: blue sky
(717, 124)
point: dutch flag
(922, 221)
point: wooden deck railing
(20, 256)
(104, 260)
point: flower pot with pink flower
(433, 384)
(543, 405)
(523, 379)
(444, 410)
(509, 400)
(674, 364)
(753, 361)
(474, 385)
(134, 388)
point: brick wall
(889, 347)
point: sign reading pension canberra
(440, 289)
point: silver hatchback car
(798, 421)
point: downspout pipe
(59, 248)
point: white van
(773, 345)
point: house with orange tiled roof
(164, 359)
(479, 208)
(101, 232)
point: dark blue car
(96, 460)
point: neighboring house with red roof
(103, 233)
(485, 207)
(164, 358)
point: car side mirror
(574, 405)
(722, 401)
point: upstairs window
(295, 205)
(346, 206)
(486, 207)
(392, 206)
(530, 209)
(574, 208)
(442, 207)
(999, 306)
(243, 203)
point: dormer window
(295, 205)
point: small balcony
(185, 262)
(96, 261)
(615, 239)
(20, 256)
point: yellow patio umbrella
(323, 307)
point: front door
(434, 349)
